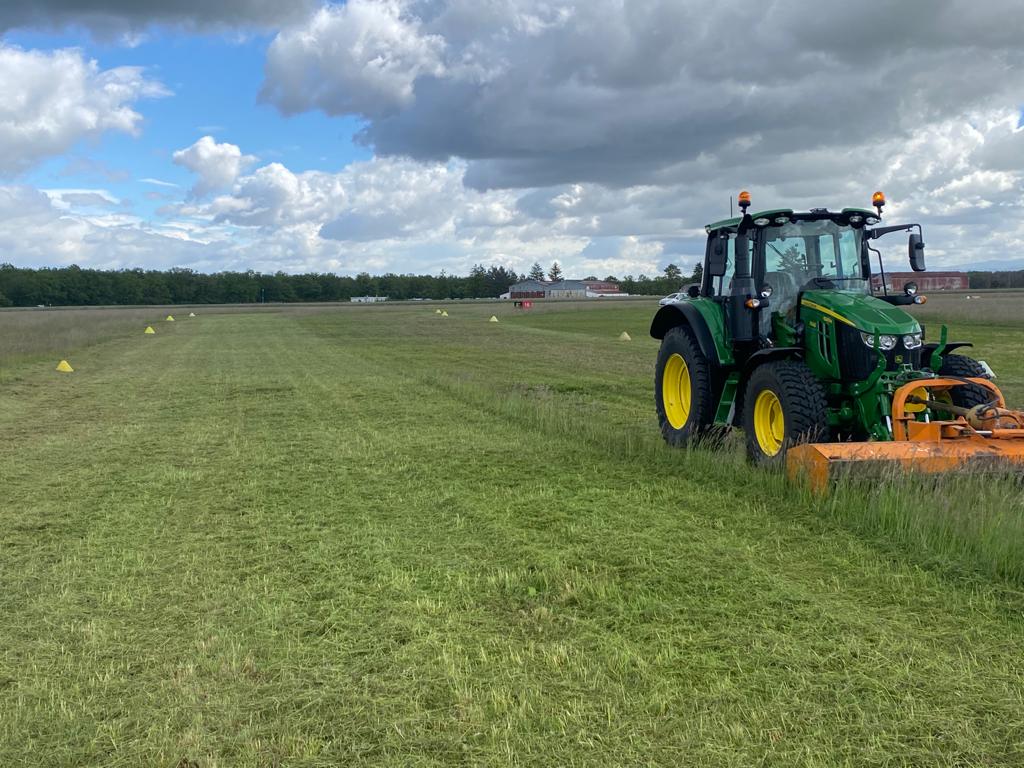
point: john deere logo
(899, 358)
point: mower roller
(792, 337)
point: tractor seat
(785, 290)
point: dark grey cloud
(538, 93)
(111, 16)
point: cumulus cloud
(536, 93)
(37, 230)
(375, 49)
(404, 215)
(114, 16)
(50, 100)
(216, 165)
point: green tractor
(787, 338)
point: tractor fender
(671, 315)
(756, 360)
(927, 349)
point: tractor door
(717, 286)
(788, 263)
(740, 323)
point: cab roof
(817, 213)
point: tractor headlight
(856, 219)
(912, 341)
(766, 291)
(910, 288)
(762, 222)
(885, 341)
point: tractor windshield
(805, 255)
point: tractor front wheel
(784, 405)
(963, 367)
(682, 389)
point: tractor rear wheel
(683, 392)
(784, 405)
(961, 366)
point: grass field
(375, 536)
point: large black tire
(678, 432)
(962, 366)
(790, 393)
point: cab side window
(786, 269)
(721, 286)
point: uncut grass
(33, 334)
(961, 522)
(322, 540)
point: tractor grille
(857, 361)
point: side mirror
(717, 257)
(916, 251)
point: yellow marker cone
(445, 313)
(149, 329)
(191, 314)
(625, 337)
(170, 318)
(493, 319)
(64, 367)
(437, 311)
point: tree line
(75, 286)
(1014, 279)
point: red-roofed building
(926, 281)
(599, 288)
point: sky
(415, 136)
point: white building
(367, 299)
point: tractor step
(727, 402)
(821, 463)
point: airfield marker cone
(625, 337)
(191, 314)
(437, 311)
(170, 318)
(149, 329)
(444, 313)
(493, 319)
(64, 367)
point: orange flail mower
(985, 436)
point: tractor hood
(864, 312)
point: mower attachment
(985, 437)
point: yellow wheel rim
(769, 424)
(922, 393)
(675, 391)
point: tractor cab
(767, 269)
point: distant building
(563, 289)
(528, 289)
(602, 289)
(926, 281)
(367, 299)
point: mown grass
(382, 537)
